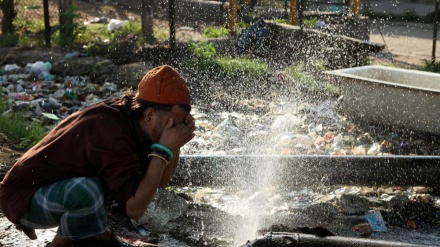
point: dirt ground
(408, 45)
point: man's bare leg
(59, 241)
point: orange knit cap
(164, 85)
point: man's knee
(84, 192)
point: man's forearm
(170, 169)
(147, 188)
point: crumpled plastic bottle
(11, 67)
(41, 70)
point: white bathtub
(390, 96)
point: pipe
(205, 170)
(287, 239)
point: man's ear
(149, 114)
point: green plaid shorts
(76, 206)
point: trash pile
(44, 96)
(299, 128)
(284, 126)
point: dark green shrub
(432, 67)
(8, 40)
(21, 131)
(302, 81)
(215, 32)
(70, 29)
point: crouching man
(124, 147)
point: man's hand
(174, 136)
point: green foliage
(242, 66)
(280, 21)
(310, 23)
(128, 28)
(242, 24)
(160, 33)
(3, 105)
(21, 131)
(242, 76)
(8, 40)
(204, 57)
(114, 44)
(305, 82)
(29, 32)
(432, 67)
(30, 26)
(410, 15)
(92, 33)
(70, 29)
(32, 7)
(215, 32)
(95, 35)
(202, 49)
(131, 29)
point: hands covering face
(175, 135)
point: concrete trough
(402, 98)
(308, 170)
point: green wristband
(163, 148)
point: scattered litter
(376, 221)
(51, 116)
(115, 24)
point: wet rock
(424, 198)
(325, 212)
(374, 202)
(367, 191)
(204, 225)
(166, 206)
(394, 201)
(353, 204)
(421, 189)
(228, 128)
(286, 123)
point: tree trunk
(66, 23)
(8, 17)
(147, 20)
(47, 28)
